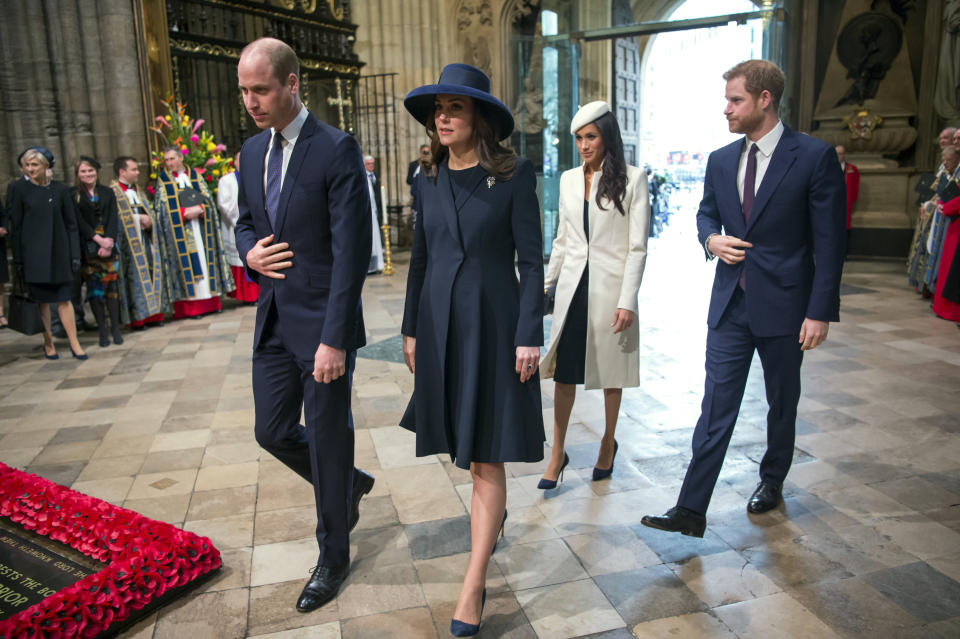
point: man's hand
(813, 333)
(622, 320)
(145, 222)
(328, 363)
(267, 258)
(728, 248)
(193, 212)
(104, 252)
(3, 232)
(409, 352)
(527, 361)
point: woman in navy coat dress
(472, 330)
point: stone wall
(70, 81)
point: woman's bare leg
(611, 408)
(48, 346)
(486, 513)
(69, 325)
(563, 397)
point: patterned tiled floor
(866, 544)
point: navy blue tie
(274, 178)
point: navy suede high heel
(603, 473)
(462, 629)
(547, 484)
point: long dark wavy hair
(613, 180)
(496, 159)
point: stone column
(75, 86)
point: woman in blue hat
(46, 245)
(472, 329)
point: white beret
(587, 114)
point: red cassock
(852, 176)
(247, 290)
(944, 307)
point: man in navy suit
(304, 235)
(773, 211)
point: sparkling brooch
(491, 181)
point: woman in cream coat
(597, 264)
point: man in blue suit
(304, 235)
(773, 212)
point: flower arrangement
(145, 559)
(200, 150)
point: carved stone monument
(867, 104)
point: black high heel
(462, 629)
(500, 535)
(80, 357)
(603, 473)
(547, 484)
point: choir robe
(144, 289)
(193, 249)
(922, 262)
(943, 306)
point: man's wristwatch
(706, 242)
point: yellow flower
(153, 176)
(211, 146)
(167, 118)
(216, 172)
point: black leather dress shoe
(324, 584)
(678, 519)
(765, 497)
(362, 484)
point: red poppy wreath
(147, 562)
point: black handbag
(24, 315)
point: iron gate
(377, 134)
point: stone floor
(866, 543)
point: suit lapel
(783, 158)
(300, 150)
(448, 208)
(730, 169)
(252, 169)
(579, 192)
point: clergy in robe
(943, 305)
(192, 244)
(228, 190)
(144, 292)
(923, 261)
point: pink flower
(210, 162)
(221, 148)
(162, 121)
(194, 138)
(196, 125)
(185, 151)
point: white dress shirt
(765, 148)
(290, 133)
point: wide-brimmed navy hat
(460, 79)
